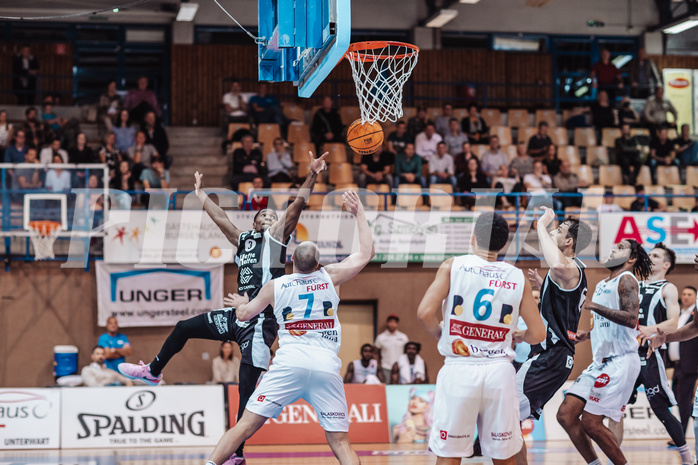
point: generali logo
(679, 83)
(302, 414)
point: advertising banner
(678, 231)
(30, 418)
(139, 417)
(189, 237)
(678, 89)
(156, 296)
(298, 423)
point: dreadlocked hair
(643, 264)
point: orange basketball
(364, 138)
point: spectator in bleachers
(47, 153)
(628, 155)
(33, 129)
(365, 369)
(141, 100)
(140, 154)
(375, 169)
(96, 374)
(109, 107)
(609, 205)
(51, 122)
(15, 152)
(603, 114)
(493, 158)
(258, 202)
(226, 366)
(125, 132)
(460, 161)
(568, 182)
(577, 118)
(109, 154)
(627, 114)
(28, 178)
(442, 122)
(474, 126)
(116, 345)
(537, 181)
(654, 115)
(606, 76)
(441, 169)
(522, 163)
(538, 143)
(327, 125)
(24, 71)
(247, 162)
(235, 104)
(644, 203)
(408, 167)
(399, 138)
(661, 153)
(426, 141)
(6, 133)
(156, 136)
(410, 367)
(123, 178)
(155, 177)
(57, 179)
(417, 123)
(508, 181)
(279, 163)
(552, 161)
(81, 153)
(265, 109)
(686, 148)
(644, 76)
(473, 178)
(455, 138)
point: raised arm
(350, 266)
(629, 304)
(232, 233)
(563, 270)
(246, 309)
(288, 221)
(429, 310)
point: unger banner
(678, 89)
(30, 418)
(156, 296)
(678, 231)
(189, 237)
(142, 417)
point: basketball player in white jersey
(604, 388)
(361, 369)
(479, 300)
(306, 364)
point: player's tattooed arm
(627, 315)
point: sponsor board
(30, 418)
(678, 89)
(678, 231)
(162, 416)
(156, 296)
(298, 422)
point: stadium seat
(337, 152)
(298, 133)
(349, 114)
(584, 137)
(317, 199)
(300, 151)
(549, 116)
(610, 175)
(569, 153)
(645, 177)
(244, 188)
(492, 116)
(411, 201)
(597, 156)
(668, 176)
(479, 149)
(525, 134)
(266, 133)
(294, 112)
(584, 173)
(440, 201)
(510, 150)
(517, 118)
(559, 136)
(692, 176)
(303, 169)
(624, 202)
(672, 134)
(684, 203)
(235, 127)
(658, 191)
(341, 173)
(503, 132)
(592, 196)
(609, 136)
(280, 200)
(433, 113)
(640, 132)
(377, 201)
(336, 194)
(408, 112)
(460, 113)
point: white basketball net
(379, 74)
(43, 241)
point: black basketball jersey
(560, 310)
(652, 305)
(260, 258)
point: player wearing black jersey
(261, 257)
(562, 294)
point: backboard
(303, 40)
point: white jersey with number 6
(481, 310)
(305, 306)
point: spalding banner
(29, 418)
(142, 416)
(298, 423)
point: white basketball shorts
(607, 387)
(482, 394)
(302, 372)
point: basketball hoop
(380, 70)
(43, 235)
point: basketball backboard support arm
(303, 40)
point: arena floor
(549, 453)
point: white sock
(686, 457)
(210, 463)
(595, 462)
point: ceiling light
(441, 18)
(684, 25)
(187, 11)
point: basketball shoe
(235, 460)
(140, 371)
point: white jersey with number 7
(481, 310)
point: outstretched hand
(198, 183)
(352, 202)
(535, 279)
(236, 300)
(656, 342)
(581, 336)
(547, 218)
(318, 165)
